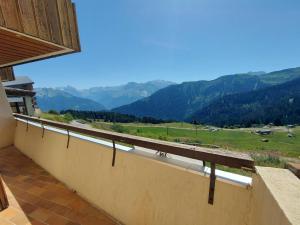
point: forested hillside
(181, 101)
(279, 104)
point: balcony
(58, 174)
(129, 184)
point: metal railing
(214, 156)
(217, 156)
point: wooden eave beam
(18, 92)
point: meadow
(232, 139)
(267, 150)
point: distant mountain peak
(113, 96)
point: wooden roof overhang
(32, 30)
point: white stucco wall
(7, 122)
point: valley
(230, 112)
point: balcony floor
(35, 197)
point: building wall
(276, 197)
(7, 122)
(138, 190)
(28, 101)
(7, 74)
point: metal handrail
(214, 156)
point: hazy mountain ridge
(49, 98)
(181, 101)
(116, 96)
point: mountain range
(96, 98)
(254, 97)
(185, 101)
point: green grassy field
(235, 139)
(279, 148)
(67, 118)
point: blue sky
(176, 40)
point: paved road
(81, 125)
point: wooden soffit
(36, 29)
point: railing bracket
(68, 142)
(114, 153)
(162, 154)
(43, 130)
(27, 126)
(212, 183)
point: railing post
(27, 126)
(114, 153)
(212, 183)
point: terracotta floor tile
(36, 190)
(35, 222)
(45, 204)
(60, 210)
(26, 207)
(40, 214)
(75, 216)
(73, 223)
(57, 220)
(21, 178)
(49, 195)
(28, 197)
(92, 220)
(62, 200)
(79, 204)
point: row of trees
(111, 117)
